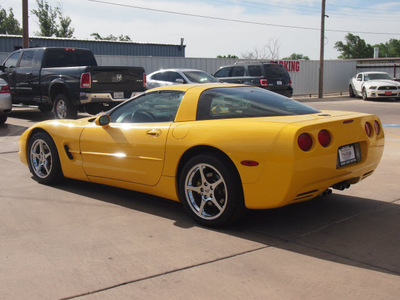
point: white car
(177, 76)
(374, 85)
(5, 101)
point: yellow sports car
(217, 148)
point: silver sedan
(177, 76)
(5, 101)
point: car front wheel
(43, 159)
(351, 92)
(211, 191)
(364, 94)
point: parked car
(217, 148)
(269, 76)
(5, 101)
(177, 76)
(373, 85)
(68, 80)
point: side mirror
(103, 120)
(2, 68)
(358, 79)
(180, 80)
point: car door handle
(29, 74)
(154, 132)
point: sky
(222, 27)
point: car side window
(173, 76)
(224, 72)
(237, 71)
(27, 59)
(147, 108)
(12, 61)
(159, 76)
(359, 77)
(254, 70)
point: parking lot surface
(79, 240)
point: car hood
(382, 82)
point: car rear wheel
(364, 94)
(63, 108)
(43, 159)
(210, 190)
(351, 92)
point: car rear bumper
(5, 104)
(86, 98)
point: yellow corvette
(217, 148)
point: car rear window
(272, 70)
(199, 77)
(247, 102)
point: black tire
(210, 191)
(351, 92)
(43, 159)
(364, 94)
(63, 108)
(45, 108)
(3, 119)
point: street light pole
(321, 53)
(25, 31)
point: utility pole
(321, 53)
(25, 31)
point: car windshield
(378, 76)
(246, 102)
(199, 77)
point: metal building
(10, 43)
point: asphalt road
(86, 241)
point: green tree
(355, 47)
(47, 17)
(389, 49)
(8, 23)
(227, 56)
(296, 56)
(121, 38)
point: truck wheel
(45, 108)
(3, 119)
(63, 108)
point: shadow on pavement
(344, 229)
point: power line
(236, 20)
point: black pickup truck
(68, 80)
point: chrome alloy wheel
(206, 191)
(41, 158)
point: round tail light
(377, 127)
(305, 141)
(368, 130)
(324, 138)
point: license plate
(279, 82)
(118, 95)
(388, 93)
(348, 155)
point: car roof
(204, 86)
(372, 72)
(177, 70)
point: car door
(27, 84)
(132, 147)
(358, 82)
(10, 66)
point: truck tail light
(144, 79)
(290, 82)
(86, 81)
(263, 82)
(5, 89)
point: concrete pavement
(84, 241)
